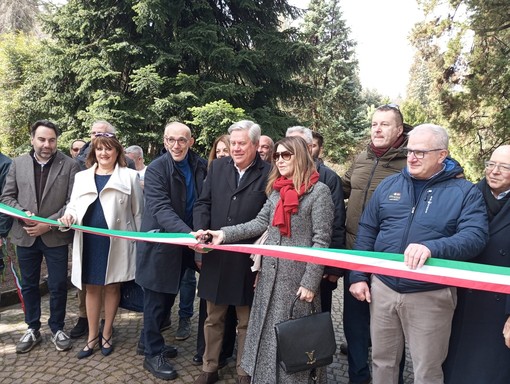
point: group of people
(405, 195)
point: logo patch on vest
(395, 196)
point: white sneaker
(62, 341)
(28, 341)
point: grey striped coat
(280, 279)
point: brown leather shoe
(243, 380)
(207, 378)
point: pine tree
(334, 106)
(141, 63)
(472, 79)
(18, 15)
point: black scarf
(493, 205)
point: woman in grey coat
(298, 212)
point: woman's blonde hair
(304, 166)
(225, 139)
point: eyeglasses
(419, 154)
(284, 155)
(103, 134)
(75, 149)
(503, 168)
(171, 141)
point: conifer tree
(141, 63)
(471, 77)
(334, 107)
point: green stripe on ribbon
(433, 262)
(387, 265)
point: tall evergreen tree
(474, 78)
(18, 15)
(140, 63)
(423, 91)
(19, 70)
(334, 106)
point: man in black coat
(172, 184)
(99, 126)
(479, 350)
(233, 193)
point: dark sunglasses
(284, 155)
(104, 134)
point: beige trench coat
(122, 201)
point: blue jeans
(30, 259)
(187, 288)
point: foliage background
(208, 63)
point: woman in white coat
(106, 195)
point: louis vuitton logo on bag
(307, 342)
(311, 359)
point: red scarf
(381, 151)
(289, 201)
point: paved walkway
(45, 365)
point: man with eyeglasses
(98, 127)
(382, 157)
(76, 146)
(479, 350)
(233, 193)
(425, 211)
(173, 182)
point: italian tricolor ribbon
(440, 271)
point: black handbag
(305, 343)
(131, 296)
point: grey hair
(109, 127)
(271, 142)
(306, 132)
(439, 134)
(253, 129)
(135, 149)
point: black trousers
(156, 309)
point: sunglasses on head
(394, 107)
(104, 134)
(284, 155)
(391, 105)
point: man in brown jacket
(382, 157)
(40, 183)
